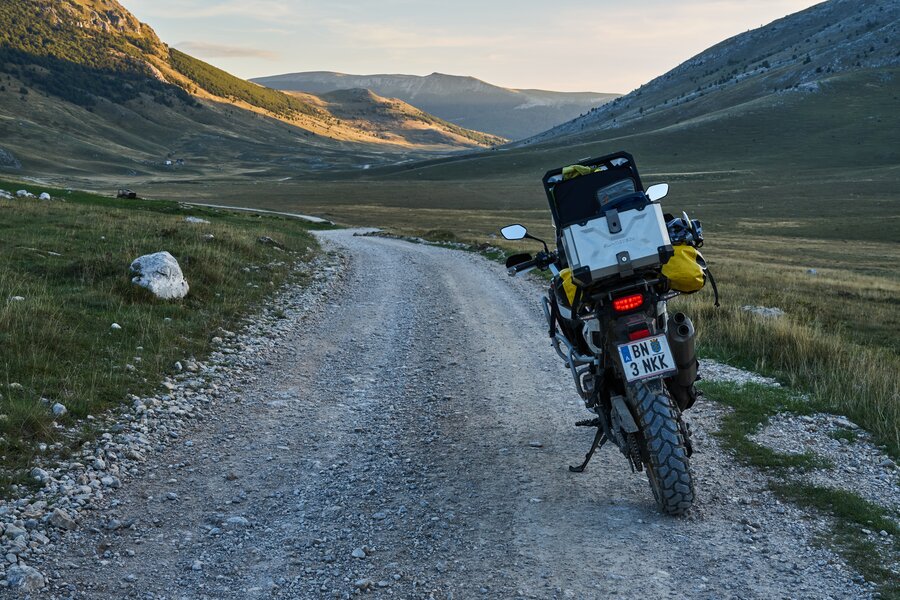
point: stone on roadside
(40, 474)
(60, 518)
(161, 274)
(59, 409)
(237, 522)
(25, 578)
(358, 553)
(363, 584)
(111, 482)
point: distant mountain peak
(461, 99)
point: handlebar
(541, 261)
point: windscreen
(590, 203)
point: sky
(564, 45)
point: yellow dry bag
(686, 270)
(568, 285)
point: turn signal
(626, 303)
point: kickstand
(599, 440)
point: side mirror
(658, 191)
(514, 232)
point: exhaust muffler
(681, 335)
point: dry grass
(69, 262)
(838, 339)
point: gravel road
(411, 441)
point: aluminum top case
(605, 224)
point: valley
(298, 343)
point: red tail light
(639, 334)
(626, 303)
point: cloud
(388, 36)
(257, 10)
(206, 50)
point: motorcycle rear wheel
(665, 451)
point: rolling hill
(465, 101)
(795, 54)
(807, 91)
(86, 89)
(803, 147)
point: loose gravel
(859, 466)
(399, 429)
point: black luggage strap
(712, 280)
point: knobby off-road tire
(666, 453)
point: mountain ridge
(790, 54)
(91, 61)
(464, 100)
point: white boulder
(58, 409)
(24, 194)
(196, 220)
(44, 196)
(6, 195)
(161, 274)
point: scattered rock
(161, 274)
(110, 482)
(363, 584)
(196, 220)
(764, 311)
(115, 327)
(45, 196)
(17, 298)
(358, 553)
(25, 578)
(237, 522)
(60, 518)
(266, 240)
(59, 409)
(844, 423)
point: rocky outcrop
(7, 160)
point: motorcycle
(633, 364)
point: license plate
(649, 357)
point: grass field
(784, 185)
(68, 260)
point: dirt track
(412, 443)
